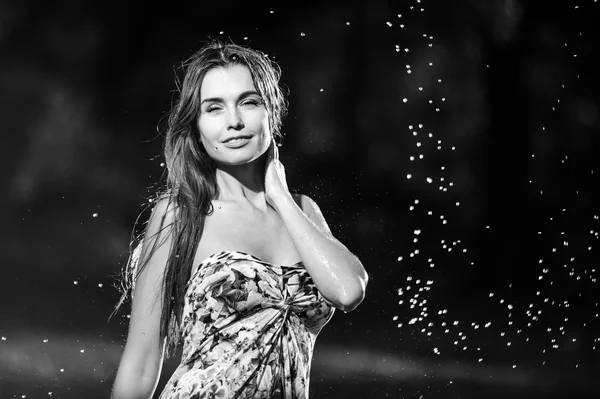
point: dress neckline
(253, 257)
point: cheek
(207, 130)
(208, 138)
(265, 136)
(261, 121)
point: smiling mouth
(237, 138)
(237, 142)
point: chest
(262, 235)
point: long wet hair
(189, 183)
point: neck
(244, 183)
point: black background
(513, 87)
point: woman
(246, 273)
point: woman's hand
(275, 182)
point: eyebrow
(244, 94)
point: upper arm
(143, 351)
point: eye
(252, 102)
(212, 108)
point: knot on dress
(248, 329)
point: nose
(234, 121)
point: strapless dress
(248, 330)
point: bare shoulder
(307, 204)
(312, 210)
(161, 219)
(163, 208)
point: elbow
(354, 296)
(132, 385)
(135, 380)
(348, 305)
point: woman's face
(233, 120)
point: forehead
(228, 81)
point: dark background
(483, 278)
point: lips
(237, 137)
(237, 142)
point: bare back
(235, 227)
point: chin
(240, 158)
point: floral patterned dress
(248, 328)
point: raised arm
(141, 363)
(338, 274)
